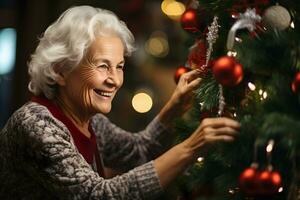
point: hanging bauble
(193, 20)
(248, 181)
(269, 182)
(227, 71)
(276, 17)
(296, 83)
(179, 71)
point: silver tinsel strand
(212, 37)
(221, 101)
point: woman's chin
(104, 110)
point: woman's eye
(120, 67)
(106, 67)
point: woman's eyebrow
(107, 61)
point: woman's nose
(113, 77)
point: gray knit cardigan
(39, 160)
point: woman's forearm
(172, 163)
(168, 113)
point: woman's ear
(60, 76)
(60, 79)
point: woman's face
(91, 87)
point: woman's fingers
(189, 76)
(188, 82)
(193, 84)
(210, 134)
(218, 138)
(220, 122)
(226, 130)
(214, 129)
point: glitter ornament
(227, 71)
(296, 83)
(179, 71)
(276, 17)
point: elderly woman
(55, 146)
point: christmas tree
(249, 55)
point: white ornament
(277, 17)
(244, 20)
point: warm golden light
(142, 102)
(164, 5)
(173, 9)
(157, 45)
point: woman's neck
(79, 118)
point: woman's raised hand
(177, 159)
(183, 93)
(211, 131)
(181, 99)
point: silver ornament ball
(277, 17)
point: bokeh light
(173, 9)
(157, 45)
(142, 102)
(8, 39)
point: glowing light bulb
(292, 25)
(238, 39)
(232, 53)
(200, 159)
(270, 146)
(251, 86)
(265, 94)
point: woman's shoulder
(33, 116)
(30, 111)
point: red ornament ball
(296, 83)
(179, 71)
(227, 71)
(269, 182)
(248, 181)
(191, 20)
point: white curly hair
(64, 44)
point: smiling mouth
(103, 93)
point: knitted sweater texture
(39, 160)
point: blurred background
(149, 74)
